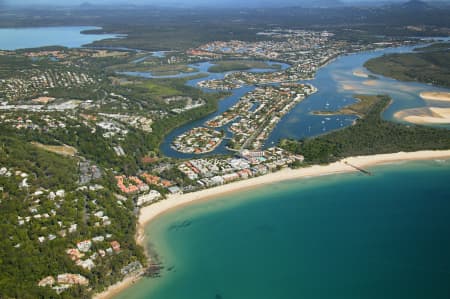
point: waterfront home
(230, 177)
(68, 278)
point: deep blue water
(342, 236)
(68, 36)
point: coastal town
(305, 52)
(49, 220)
(47, 206)
(198, 141)
(251, 119)
(268, 105)
(204, 173)
(83, 145)
(35, 82)
(92, 239)
(214, 172)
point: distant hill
(415, 5)
(86, 5)
(321, 3)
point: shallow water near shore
(338, 236)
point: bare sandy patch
(435, 96)
(64, 150)
(426, 115)
(370, 83)
(43, 100)
(346, 86)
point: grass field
(156, 89)
(64, 150)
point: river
(336, 83)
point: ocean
(339, 236)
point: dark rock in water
(218, 296)
(181, 225)
(154, 270)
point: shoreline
(435, 96)
(151, 212)
(425, 116)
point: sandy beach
(436, 96)
(149, 213)
(426, 115)
(118, 287)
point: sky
(185, 3)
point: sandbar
(370, 83)
(426, 115)
(360, 74)
(436, 96)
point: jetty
(362, 170)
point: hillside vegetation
(430, 65)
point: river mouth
(337, 83)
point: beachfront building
(150, 197)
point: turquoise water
(341, 236)
(68, 36)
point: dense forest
(23, 259)
(427, 65)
